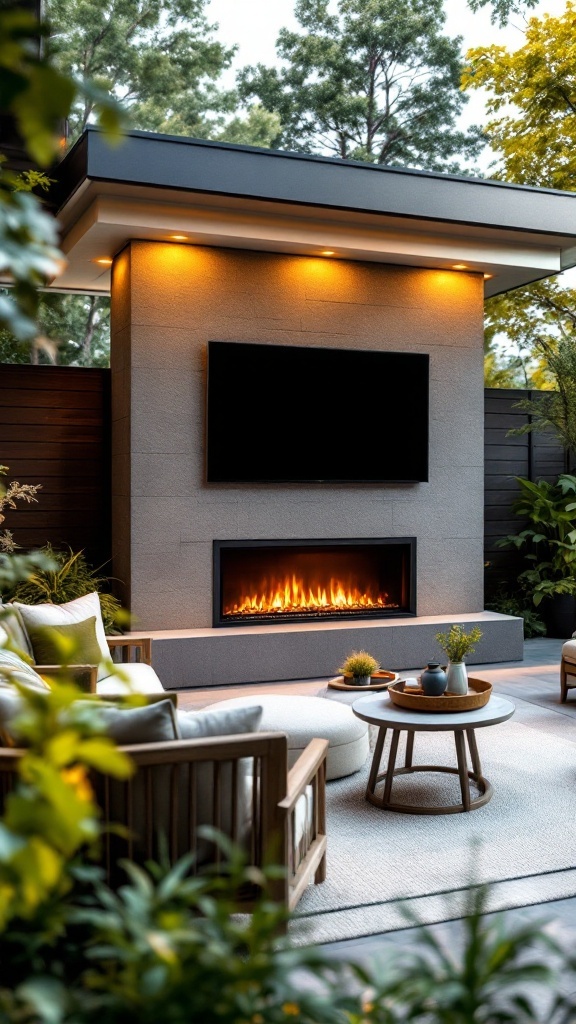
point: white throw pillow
(34, 615)
(12, 629)
(15, 669)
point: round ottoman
(307, 718)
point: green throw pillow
(76, 643)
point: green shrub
(510, 604)
(71, 577)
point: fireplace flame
(292, 595)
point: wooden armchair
(238, 784)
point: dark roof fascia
(196, 165)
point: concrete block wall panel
(169, 300)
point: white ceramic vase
(457, 678)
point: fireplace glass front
(310, 580)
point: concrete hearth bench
(305, 718)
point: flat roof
(154, 186)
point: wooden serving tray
(479, 691)
(382, 680)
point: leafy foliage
(70, 577)
(457, 643)
(158, 56)
(9, 496)
(537, 321)
(515, 604)
(38, 97)
(532, 131)
(550, 542)
(494, 975)
(376, 81)
(78, 327)
(530, 91)
(502, 10)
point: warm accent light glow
(179, 238)
(488, 277)
(327, 252)
(459, 266)
(105, 261)
(290, 596)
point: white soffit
(101, 218)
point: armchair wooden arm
(131, 648)
(309, 770)
(85, 676)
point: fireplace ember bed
(310, 580)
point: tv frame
(308, 480)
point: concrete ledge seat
(305, 718)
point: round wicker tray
(381, 681)
(479, 691)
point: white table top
(378, 709)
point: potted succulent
(358, 667)
(456, 644)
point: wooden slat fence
(54, 431)
(535, 456)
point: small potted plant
(456, 644)
(358, 667)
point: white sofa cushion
(569, 651)
(133, 677)
(34, 615)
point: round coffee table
(378, 709)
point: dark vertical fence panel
(54, 431)
(535, 456)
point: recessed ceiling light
(488, 276)
(179, 238)
(459, 266)
(327, 252)
(105, 261)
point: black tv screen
(293, 414)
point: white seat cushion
(140, 678)
(306, 718)
(569, 651)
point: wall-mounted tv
(301, 414)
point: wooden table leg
(474, 756)
(409, 749)
(391, 766)
(380, 739)
(462, 768)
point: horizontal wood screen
(55, 431)
(535, 456)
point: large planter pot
(559, 615)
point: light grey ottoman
(305, 718)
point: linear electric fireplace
(310, 580)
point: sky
(254, 26)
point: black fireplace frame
(219, 545)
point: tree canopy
(377, 80)
(159, 57)
(532, 93)
(531, 103)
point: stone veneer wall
(168, 300)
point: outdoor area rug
(382, 864)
